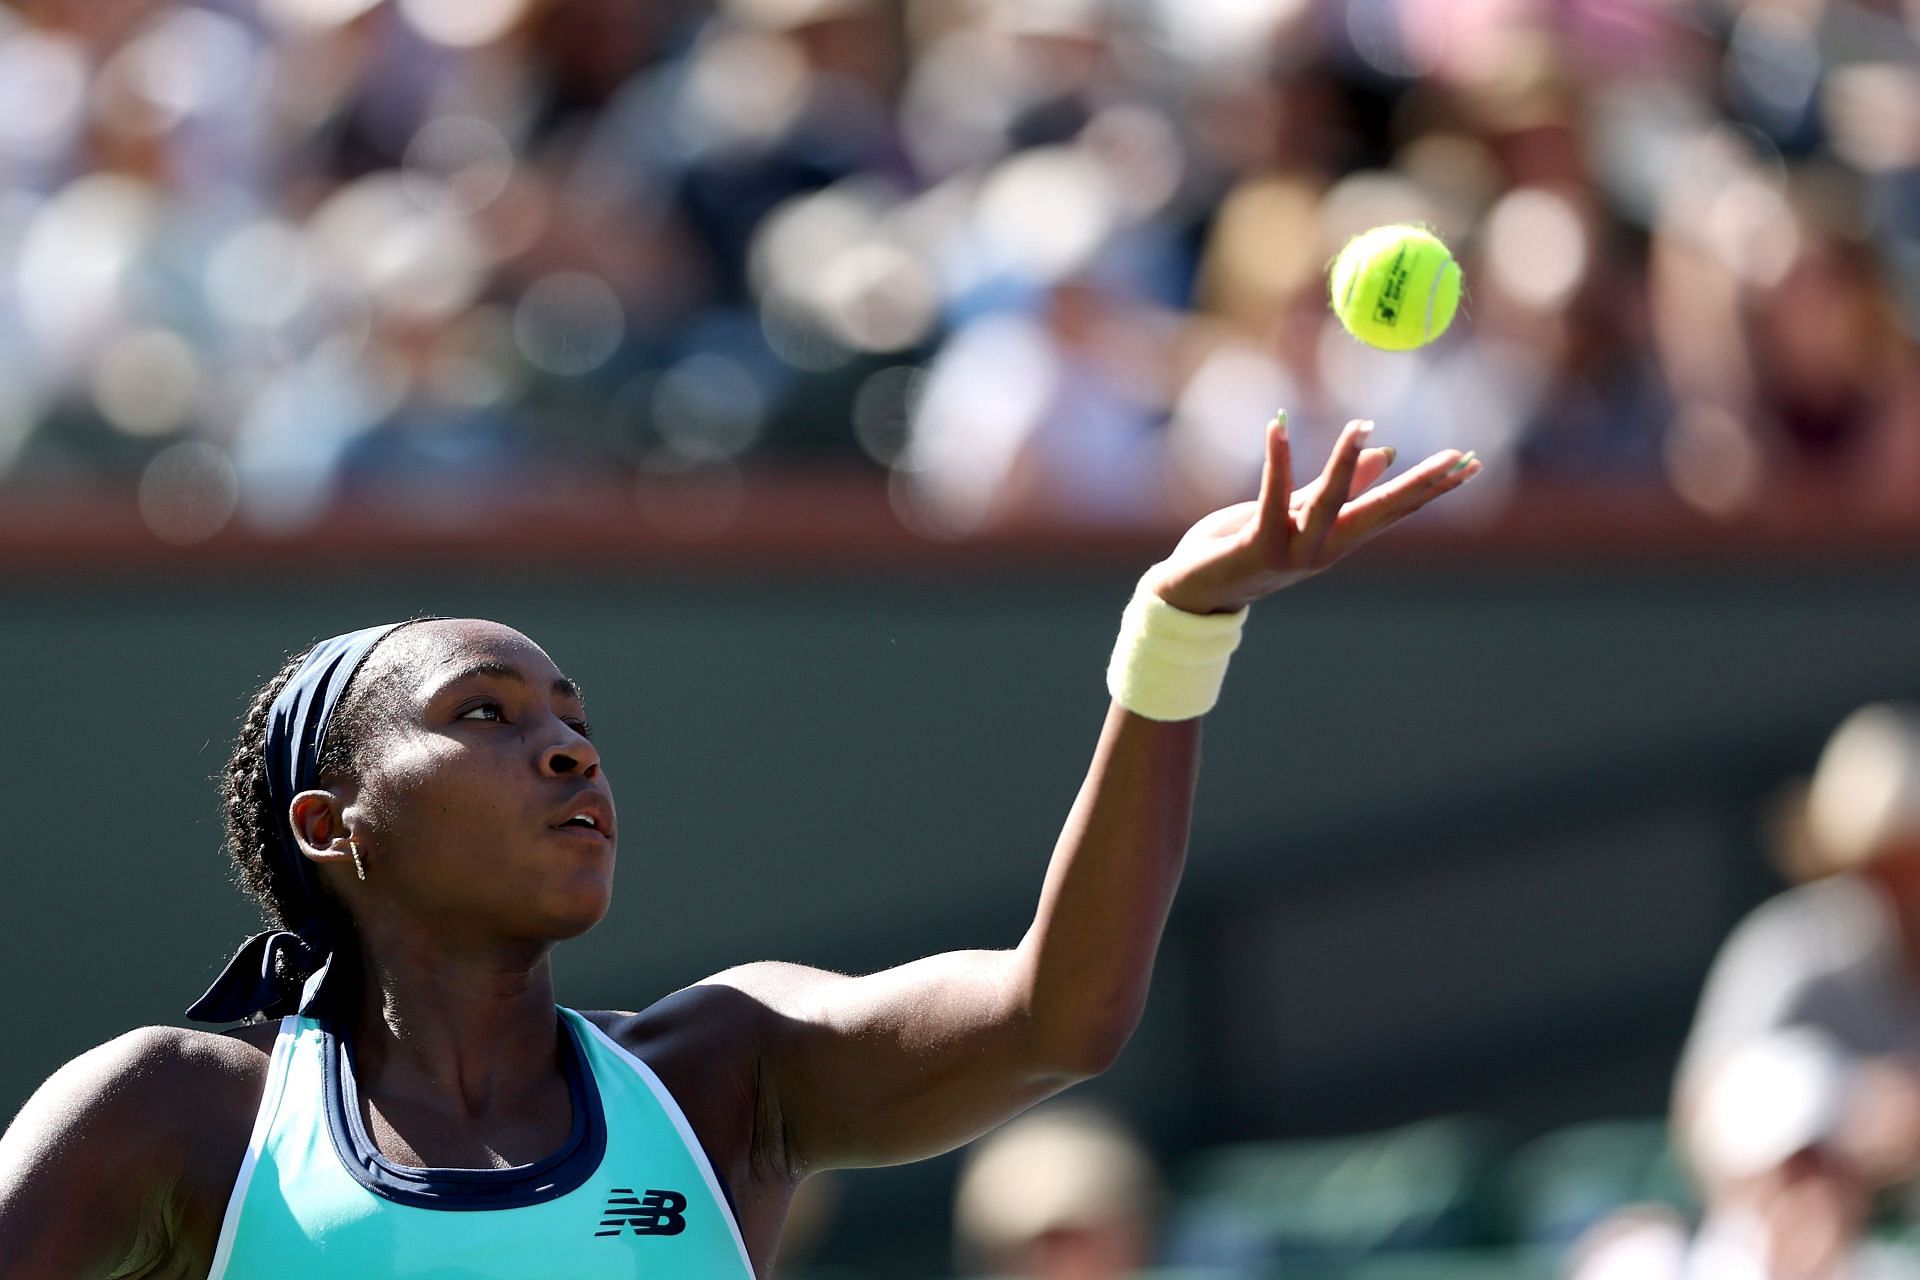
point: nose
(573, 754)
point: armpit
(157, 1251)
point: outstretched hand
(1252, 549)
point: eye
(493, 707)
(581, 727)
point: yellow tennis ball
(1396, 287)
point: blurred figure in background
(257, 255)
(1779, 328)
(1820, 987)
(1798, 1097)
(1064, 1193)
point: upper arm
(91, 1156)
(896, 1065)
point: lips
(587, 811)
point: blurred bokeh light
(1090, 234)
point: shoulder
(711, 1036)
(1817, 904)
(1829, 923)
(708, 1043)
(736, 1007)
(146, 1066)
(1786, 962)
(147, 1128)
(155, 1086)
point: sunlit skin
(471, 876)
(458, 806)
(126, 1156)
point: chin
(574, 927)
(576, 913)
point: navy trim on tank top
(460, 1189)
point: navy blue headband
(253, 981)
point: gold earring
(358, 865)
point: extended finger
(1441, 474)
(1373, 464)
(1276, 479)
(1335, 483)
(1367, 471)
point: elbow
(1076, 1024)
(1097, 1057)
(1085, 1051)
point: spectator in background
(1798, 1094)
(433, 248)
(1835, 961)
(1064, 1193)
(1779, 329)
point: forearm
(1086, 962)
(913, 1060)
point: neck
(473, 1033)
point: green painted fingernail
(1393, 454)
(1281, 418)
(1467, 459)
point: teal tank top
(630, 1193)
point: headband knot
(280, 971)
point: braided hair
(247, 798)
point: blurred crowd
(1009, 257)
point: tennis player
(422, 812)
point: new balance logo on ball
(653, 1213)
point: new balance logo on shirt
(653, 1213)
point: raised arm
(911, 1061)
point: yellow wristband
(1168, 664)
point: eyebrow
(562, 686)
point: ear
(320, 828)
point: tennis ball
(1396, 287)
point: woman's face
(481, 811)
